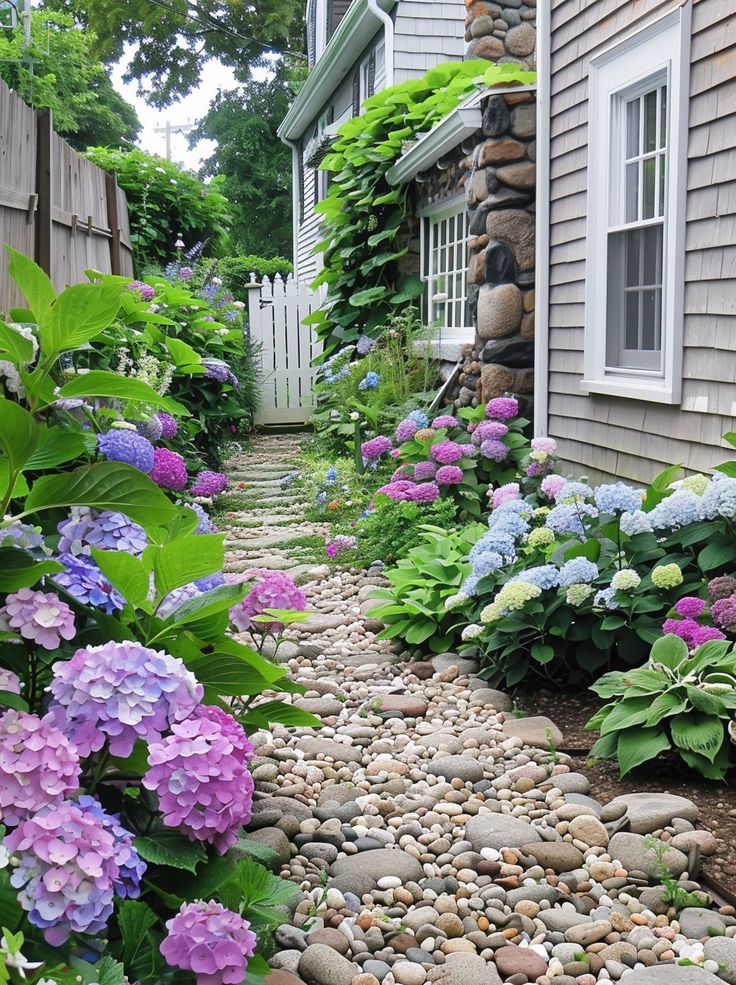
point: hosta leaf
(670, 703)
(638, 745)
(629, 712)
(702, 734)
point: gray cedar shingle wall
(427, 32)
(619, 436)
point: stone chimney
(502, 32)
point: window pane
(662, 181)
(632, 245)
(631, 324)
(663, 117)
(650, 169)
(650, 327)
(650, 121)
(634, 292)
(632, 128)
(632, 192)
(652, 272)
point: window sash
(444, 268)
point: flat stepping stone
(536, 731)
(369, 659)
(649, 812)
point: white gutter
(541, 310)
(388, 24)
(354, 32)
(444, 136)
(296, 191)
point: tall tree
(170, 40)
(255, 164)
(68, 79)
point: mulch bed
(570, 710)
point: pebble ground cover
(436, 837)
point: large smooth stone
(723, 950)
(377, 863)
(631, 850)
(463, 968)
(321, 964)
(463, 768)
(672, 974)
(536, 731)
(499, 831)
(313, 746)
(648, 812)
(557, 855)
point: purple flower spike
(210, 941)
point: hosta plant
(677, 701)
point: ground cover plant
(125, 697)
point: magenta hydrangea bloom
(272, 590)
(401, 489)
(443, 421)
(446, 452)
(168, 470)
(502, 408)
(489, 431)
(406, 430)
(691, 632)
(506, 494)
(209, 484)
(495, 450)
(373, 449)
(201, 779)
(723, 613)
(69, 866)
(449, 475)
(121, 692)
(39, 616)
(552, 485)
(144, 291)
(426, 492)
(169, 427)
(122, 445)
(38, 766)
(424, 470)
(690, 607)
(210, 941)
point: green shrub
(390, 531)
(235, 271)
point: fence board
(55, 205)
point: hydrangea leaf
(170, 848)
(33, 282)
(101, 383)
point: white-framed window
(637, 148)
(444, 250)
(373, 72)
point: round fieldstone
(634, 853)
(536, 730)
(520, 41)
(496, 380)
(671, 974)
(517, 228)
(323, 965)
(482, 26)
(588, 829)
(649, 812)
(378, 863)
(461, 767)
(521, 175)
(492, 698)
(524, 121)
(499, 831)
(331, 937)
(499, 311)
(488, 47)
(501, 151)
(558, 855)
(496, 115)
(463, 968)
(514, 960)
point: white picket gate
(288, 348)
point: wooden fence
(55, 205)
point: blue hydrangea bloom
(634, 523)
(496, 541)
(84, 581)
(320, 499)
(574, 490)
(205, 525)
(104, 530)
(544, 576)
(605, 599)
(122, 445)
(617, 497)
(486, 563)
(364, 345)
(508, 523)
(578, 570)
(565, 519)
(719, 499)
(370, 381)
(210, 581)
(470, 586)
(679, 509)
(419, 417)
(21, 535)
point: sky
(190, 109)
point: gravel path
(437, 838)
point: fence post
(44, 186)
(113, 221)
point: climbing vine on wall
(364, 215)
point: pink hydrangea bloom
(489, 431)
(229, 727)
(449, 475)
(446, 452)
(425, 492)
(9, 681)
(424, 470)
(495, 450)
(121, 692)
(200, 776)
(401, 489)
(691, 632)
(690, 607)
(723, 613)
(169, 470)
(38, 766)
(505, 494)
(502, 408)
(70, 863)
(444, 421)
(39, 616)
(272, 590)
(406, 430)
(552, 484)
(373, 449)
(209, 484)
(548, 445)
(210, 941)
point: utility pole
(170, 128)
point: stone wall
(502, 32)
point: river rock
(376, 864)
(463, 768)
(671, 974)
(697, 922)
(649, 812)
(323, 965)
(633, 853)
(514, 960)
(723, 950)
(312, 747)
(499, 831)
(557, 855)
(536, 731)
(463, 968)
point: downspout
(388, 24)
(295, 193)
(541, 313)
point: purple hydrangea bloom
(185, 273)
(171, 602)
(400, 489)
(489, 431)
(132, 868)
(373, 449)
(39, 616)
(210, 941)
(144, 291)
(168, 469)
(721, 587)
(426, 492)
(38, 766)
(169, 427)
(496, 451)
(691, 632)
(82, 579)
(446, 452)
(449, 475)
(272, 590)
(151, 429)
(21, 535)
(209, 582)
(424, 470)
(209, 484)
(201, 780)
(215, 371)
(205, 525)
(723, 613)
(690, 607)
(502, 408)
(122, 445)
(444, 421)
(121, 692)
(104, 530)
(69, 865)
(405, 430)
(364, 345)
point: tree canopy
(68, 79)
(170, 40)
(255, 164)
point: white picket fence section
(288, 348)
